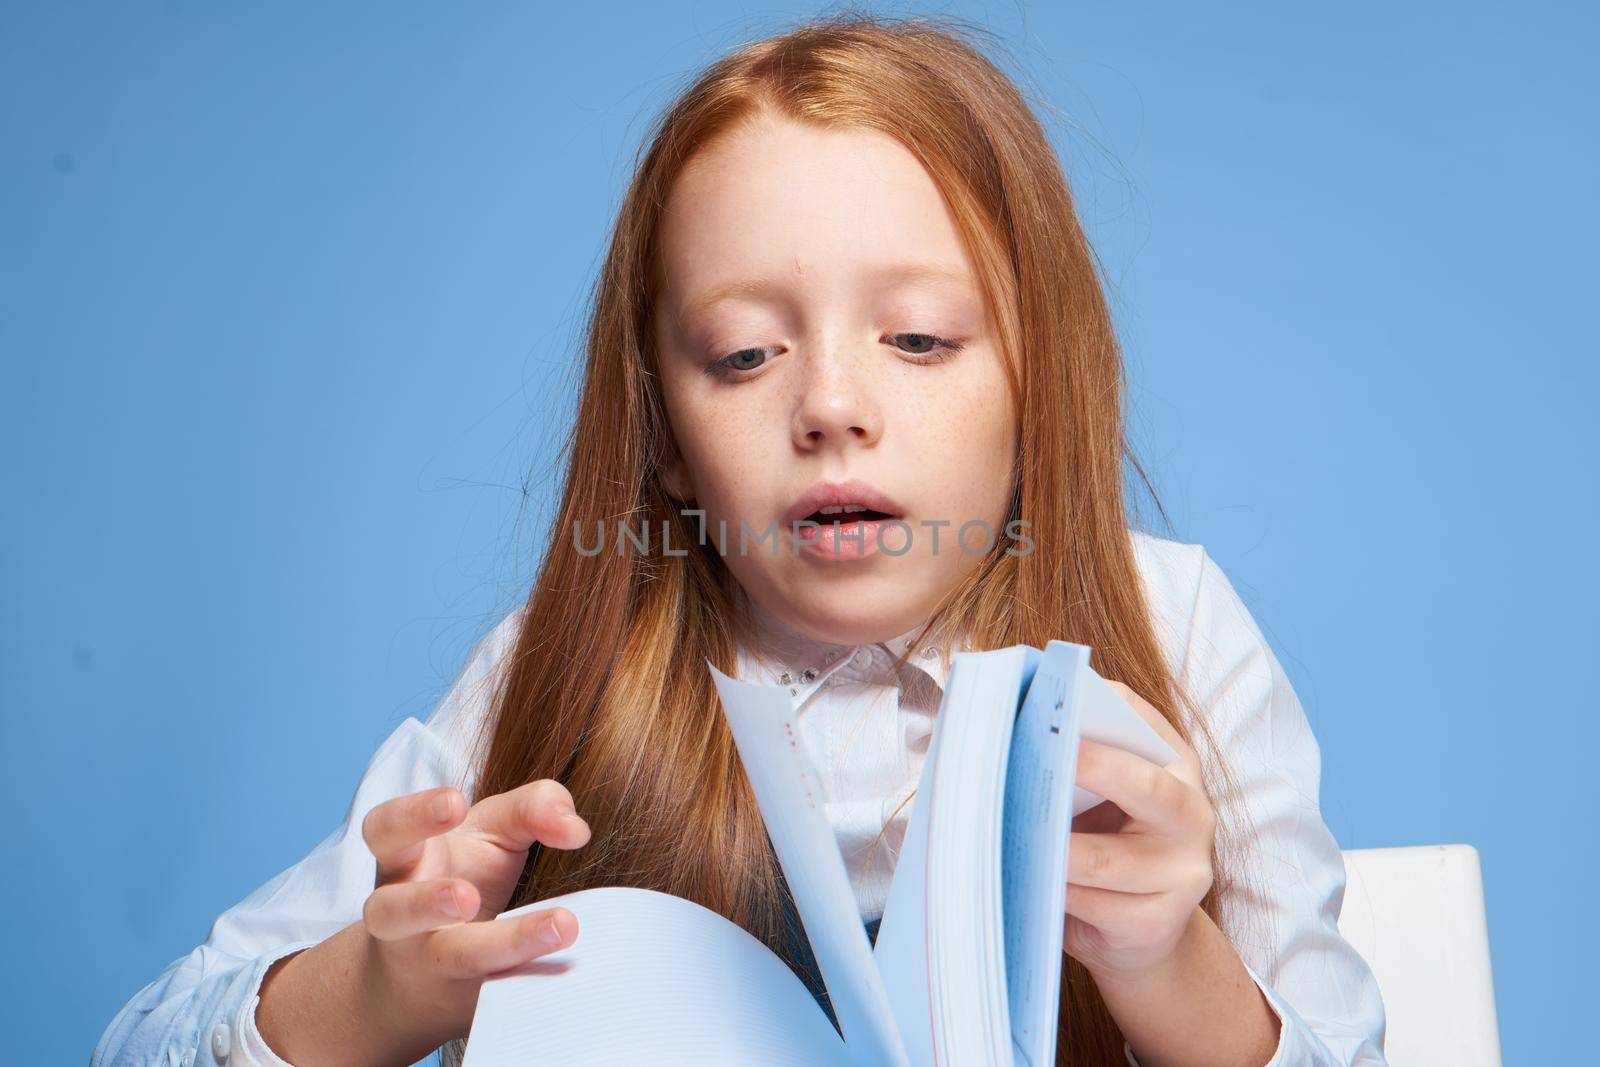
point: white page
(655, 979)
(790, 795)
(901, 950)
(966, 953)
(1108, 719)
(1039, 789)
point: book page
(789, 792)
(1108, 719)
(1039, 791)
(965, 880)
(901, 950)
(652, 978)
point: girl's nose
(836, 406)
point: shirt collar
(778, 654)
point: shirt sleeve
(1283, 908)
(200, 1010)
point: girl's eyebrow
(926, 273)
(896, 273)
(745, 287)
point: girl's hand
(441, 869)
(1138, 864)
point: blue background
(290, 298)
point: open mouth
(847, 513)
(842, 518)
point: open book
(966, 967)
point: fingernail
(550, 933)
(448, 903)
(441, 807)
(564, 807)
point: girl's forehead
(800, 181)
(783, 205)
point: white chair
(1416, 916)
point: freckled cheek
(966, 444)
(970, 411)
(730, 461)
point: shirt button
(930, 653)
(220, 1045)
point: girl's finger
(1145, 791)
(1127, 863)
(1106, 908)
(539, 811)
(477, 950)
(396, 830)
(406, 909)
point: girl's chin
(838, 624)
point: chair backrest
(1416, 916)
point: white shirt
(868, 733)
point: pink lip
(841, 541)
(848, 537)
(852, 491)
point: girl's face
(821, 322)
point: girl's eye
(930, 346)
(746, 359)
(927, 347)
